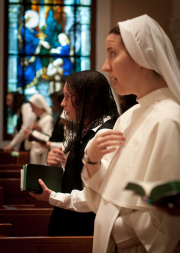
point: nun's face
(36, 109)
(123, 70)
(67, 104)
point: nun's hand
(27, 132)
(44, 196)
(103, 143)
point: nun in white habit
(141, 61)
(42, 110)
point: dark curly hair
(93, 101)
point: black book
(38, 136)
(51, 176)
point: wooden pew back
(27, 221)
(13, 195)
(6, 229)
(7, 158)
(81, 244)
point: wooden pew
(10, 170)
(81, 244)
(1, 196)
(6, 229)
(9, 173)
(10, 166)
(7, 158)
(13, 195)
(14, 207)
(27, 222)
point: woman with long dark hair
(90, 108)
(25, 117)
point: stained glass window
(46, 40)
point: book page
(22, 177)
(147, 186)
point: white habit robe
(38, 154)
(151, 152)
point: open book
(38, 136)
(165, 194)
(51, 176)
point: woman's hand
(8, 148)
(56, 157)
(27, 133)
(103, 143)
(44, 196)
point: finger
(109, 144)
(52, 151)
(110, 132)
(111, 137)
(53, 163)
(107, 151)
(57, 156)
(42, 184)
(56, 159)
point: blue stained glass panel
(46, 40)
(66, 2)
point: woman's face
(9, 100)
(123, 70)
(67, 104)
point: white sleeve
(56, 145)
(95, 181)
(75, 201)
(28, 117)
(93, 184)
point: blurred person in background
(25, 118)
(44, 124)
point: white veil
(39, 101)
(150, 47)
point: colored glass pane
(46, 40)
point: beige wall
(162, 11)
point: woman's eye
(112, 53)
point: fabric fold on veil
(39, 101)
